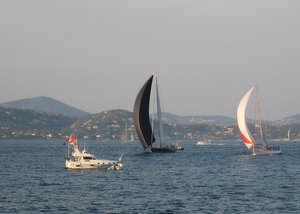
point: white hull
(91, 164)
(85, 160)
(268, 152)
(203, 142)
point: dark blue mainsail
(141, 115)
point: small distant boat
(180, 148)
(125, 135)
(258, 146)
(85, 160)
(290, 135)
(145, 128)
(202, 142)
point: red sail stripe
(244, 138)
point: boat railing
(274, 148)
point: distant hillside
(110, 125)
(45, 104)
(293, 117)
(190, 120)
(104, 125)
(15, 123)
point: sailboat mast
(159, 115)
(258, 118)
(68, 150)
(125, 133)
(131, 137)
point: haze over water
(96, 55)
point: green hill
(16, 123)
(110, 125)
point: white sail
(258, 149)
(241, 120)
(125, 134)
(159, 115)
(289, 134)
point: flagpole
(68, 150)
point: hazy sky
(95, 55)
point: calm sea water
(214, 178)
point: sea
(219, 177)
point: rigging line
(152, 110)
(159, 114)
(259, 119)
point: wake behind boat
(145, 129)
(85, 160)
(258, 146)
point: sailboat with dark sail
(151, 138)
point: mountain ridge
(45, 104)
(110, 125)
(50, 105)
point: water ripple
(210, 179)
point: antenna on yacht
(84, 145)
(68, 150)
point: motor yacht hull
(81, 164)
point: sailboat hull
(270, 151)
(163, 150)
(267, 152)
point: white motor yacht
(85, 160)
